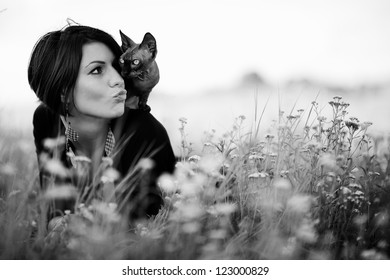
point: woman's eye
(97, 70)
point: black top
(138, 135)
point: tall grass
(312, 187)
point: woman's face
(99, 91)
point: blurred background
(216, 58)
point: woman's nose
(116, 79)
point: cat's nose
(125, 74)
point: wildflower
(337, 98)
(217, 234)
(256, 157)
(146, 164)
(52, 143)
(299, 204)
(258, 175)
(344, 104)
(211, 163)
(381, 219)
(354, 119)
(222, 209)
(355, 186)
(61, 192)
(183, 120)
(107, 161)
(284, 173)
(353, 125)
(327, 160)
(189, 211)
(292, 117)
(359, 193)
(110, 175)
(282, 184)
(191, 227)
(86, 212)
(233, 156)
(241, 117)
(167, 184)
(108, 211)
(372, 254)
(55, 167)
(360, 220)
(321, 118)
(345, 191)
(81, 159)
(8, 169)
(306, 233)
(373, 174)
(193, 186)
(365, 125)
(344, 130)
(195, 158)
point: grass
(312, 187)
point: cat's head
(135, 56)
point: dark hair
(56, 58)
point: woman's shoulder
(142, 119)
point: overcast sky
(209, 44)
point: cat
(139, 68)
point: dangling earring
(70, 133)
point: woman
(74, 72)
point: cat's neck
(132, 102)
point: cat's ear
(149, 42)
(126, 42)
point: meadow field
(311, 184)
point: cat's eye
(121, 60)
(135, 61)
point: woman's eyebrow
(95, 61)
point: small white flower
(52, 143)
(61, 192)
(282, 184)
(55, 167)
(183, 120)
(167, 183)
(82, 159)
(107, 161)
(211, 163)
(359, 193)
(345, 190)
(8, 169)
(194, 158)
(256, 157)
(110, 175)
(222, 209)
(299, 203)
(306, 233)
(146, 164)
